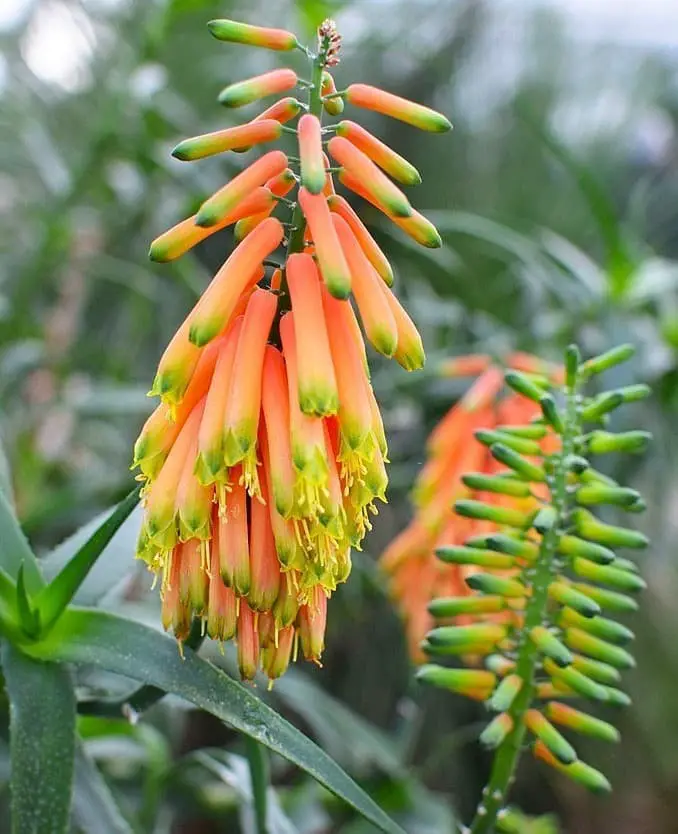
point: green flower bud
(499, 484)
(550, 646)
(608, 360)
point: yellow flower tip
(232, 31)
(209, 467)
(318, 400)
(253, 89)
(417, 115)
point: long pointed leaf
(53, 599)
(129, 648)
(42, 743)
(15, 549)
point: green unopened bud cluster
(543, 587)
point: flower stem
(257, 757)
(508, 753)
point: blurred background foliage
(556, 198)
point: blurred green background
(556, 199)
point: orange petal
(410, 350)
(233, 538)
(317, 385)
(233, 31)
(276, 411)
(176, 615)
(241, 418)
(222, 604)
(312, 622)
(210, 465)
(331, 260)
(369, 246)
(373, 181)
(416, 225)
(383, 156)
(248, 642)
(252, 89)
(376, 315)
(284, 534)
(185, 235)
(240, 272)
(230, 195)
(193, 580)
(208, 144)
(470, 365)
(372, 98)
(275, 659)
(355, 415)
(159, 500)
(311, 153)
(264, 564)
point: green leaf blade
(129, 648)
(42, 743)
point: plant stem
(508, 753)
(257, 756)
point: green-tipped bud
(594, 494)
(580, 641)
(519, 464)
(576, 681)
(504, 695)
(617, 698)
(616, 578)
(465, 639)
(601, 442)
(638, 507)
(499, 664)
(580, 722)
(545, 520)
(496, 731)
(572, 362)
(488, 512)
(576, 464)
(574, 546)
(601, 405)
(593, 476)
(608, 600)
(535, 431)
(551, 413)
(522, 384)
(474, 683)
(499, 484)
(607, 360)
(521, 548)
(488, 583)
(596, 670)
(472, 556)
(550, 646)
(480, 541)
(469, 605)
(625, 564)
(522, 445)
(601, 627)
(233, 31)
(635, 393)
(542, 728)
(567, 595)
(578, 771)
(588, 526)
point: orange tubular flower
(311, 153)
(227, 198)
(372, 98)
(317, 385)
(386, 158)
(374, 182)
(263, 462)
(416, 576)
(245, 92)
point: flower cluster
(538, 579)
(456, 468)
(265, 457)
